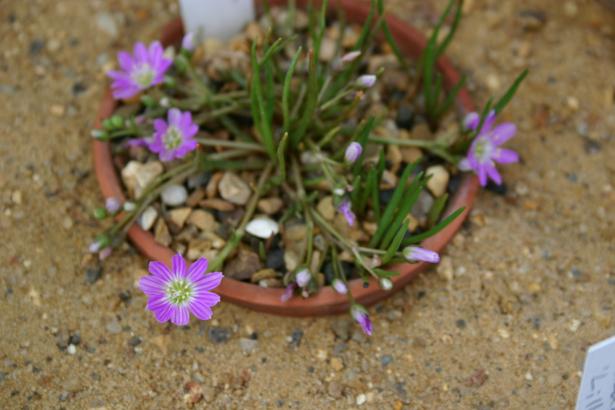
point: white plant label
(216, 18)
(597, 390)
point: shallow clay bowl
(327, 301)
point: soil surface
(503, 323)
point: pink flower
(367, 81)
(350, 57)
(174, 139)
(141, 70)
(485, 150)
(188, 42)
(174, 294)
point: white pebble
(361, 399)
(148, 217)
(174, 195)
(263, 227)
(71, 349)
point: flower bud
(353, 152)
(350, 57)
(303, 278)
(99, 134)
(117, 121)
(100, 213)
(188, 42)
(339, 286)
(414, 254)
(366, 81)
(181, 63)
(112, 204)
(129, 206)
(386, 284)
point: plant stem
(207, 142)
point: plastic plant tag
(216, 18)
(597, 390)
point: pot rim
(326, 301)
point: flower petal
(160, 270)
(178, 265)
(209, 281)
(163, 313)
(175, 117)
(201, 310)
(482, 175)
(494, 174)
(471, 121)
(505, 156)
(197, 269)
(503, 133)
(180, 316)
(140, 53)
(488, 123)
(152, 285)
(125, 60)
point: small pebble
(247, 345)
(174, 195)
(263, 227)
(71, 349)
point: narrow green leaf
(503, 102)
(382, 273)
(286, 93)
(436, 210)
(281, 155)
(395, 243)
(389, 211)
(451, 97)
(442, 47)
(414, 239)
(410, 197)
(258, 105)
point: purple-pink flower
(359, 314)
(174, 139)
(144, 68)
(367, 81)
(345, 209)
(485, 150)
(188, 42)
(416, 254)
(288, 293)
(174, 294)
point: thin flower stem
(431, 146)
(240, 232)
(207, 142)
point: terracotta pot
(327, 301)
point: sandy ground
(502, 324)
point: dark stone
(134, 341)
(497, 189)
(12, 18)
(275, 260)
(93, 273)
(386, 196)
(295, 337)
(125, 296)
(36, 46)
(576, 273)
(342, 328)
(79, 88)
(339, 348)
(219, 335)
(420, 294)
(611, 281)
(461, 324)
(532, 19)
(199, 180)
(3, 376)
(591, 147)
(243, 265)
(454, 183)
(386, 360)
(572, 177)
(405, 117)
(74, 339)
(64, 396)
(61, 340)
